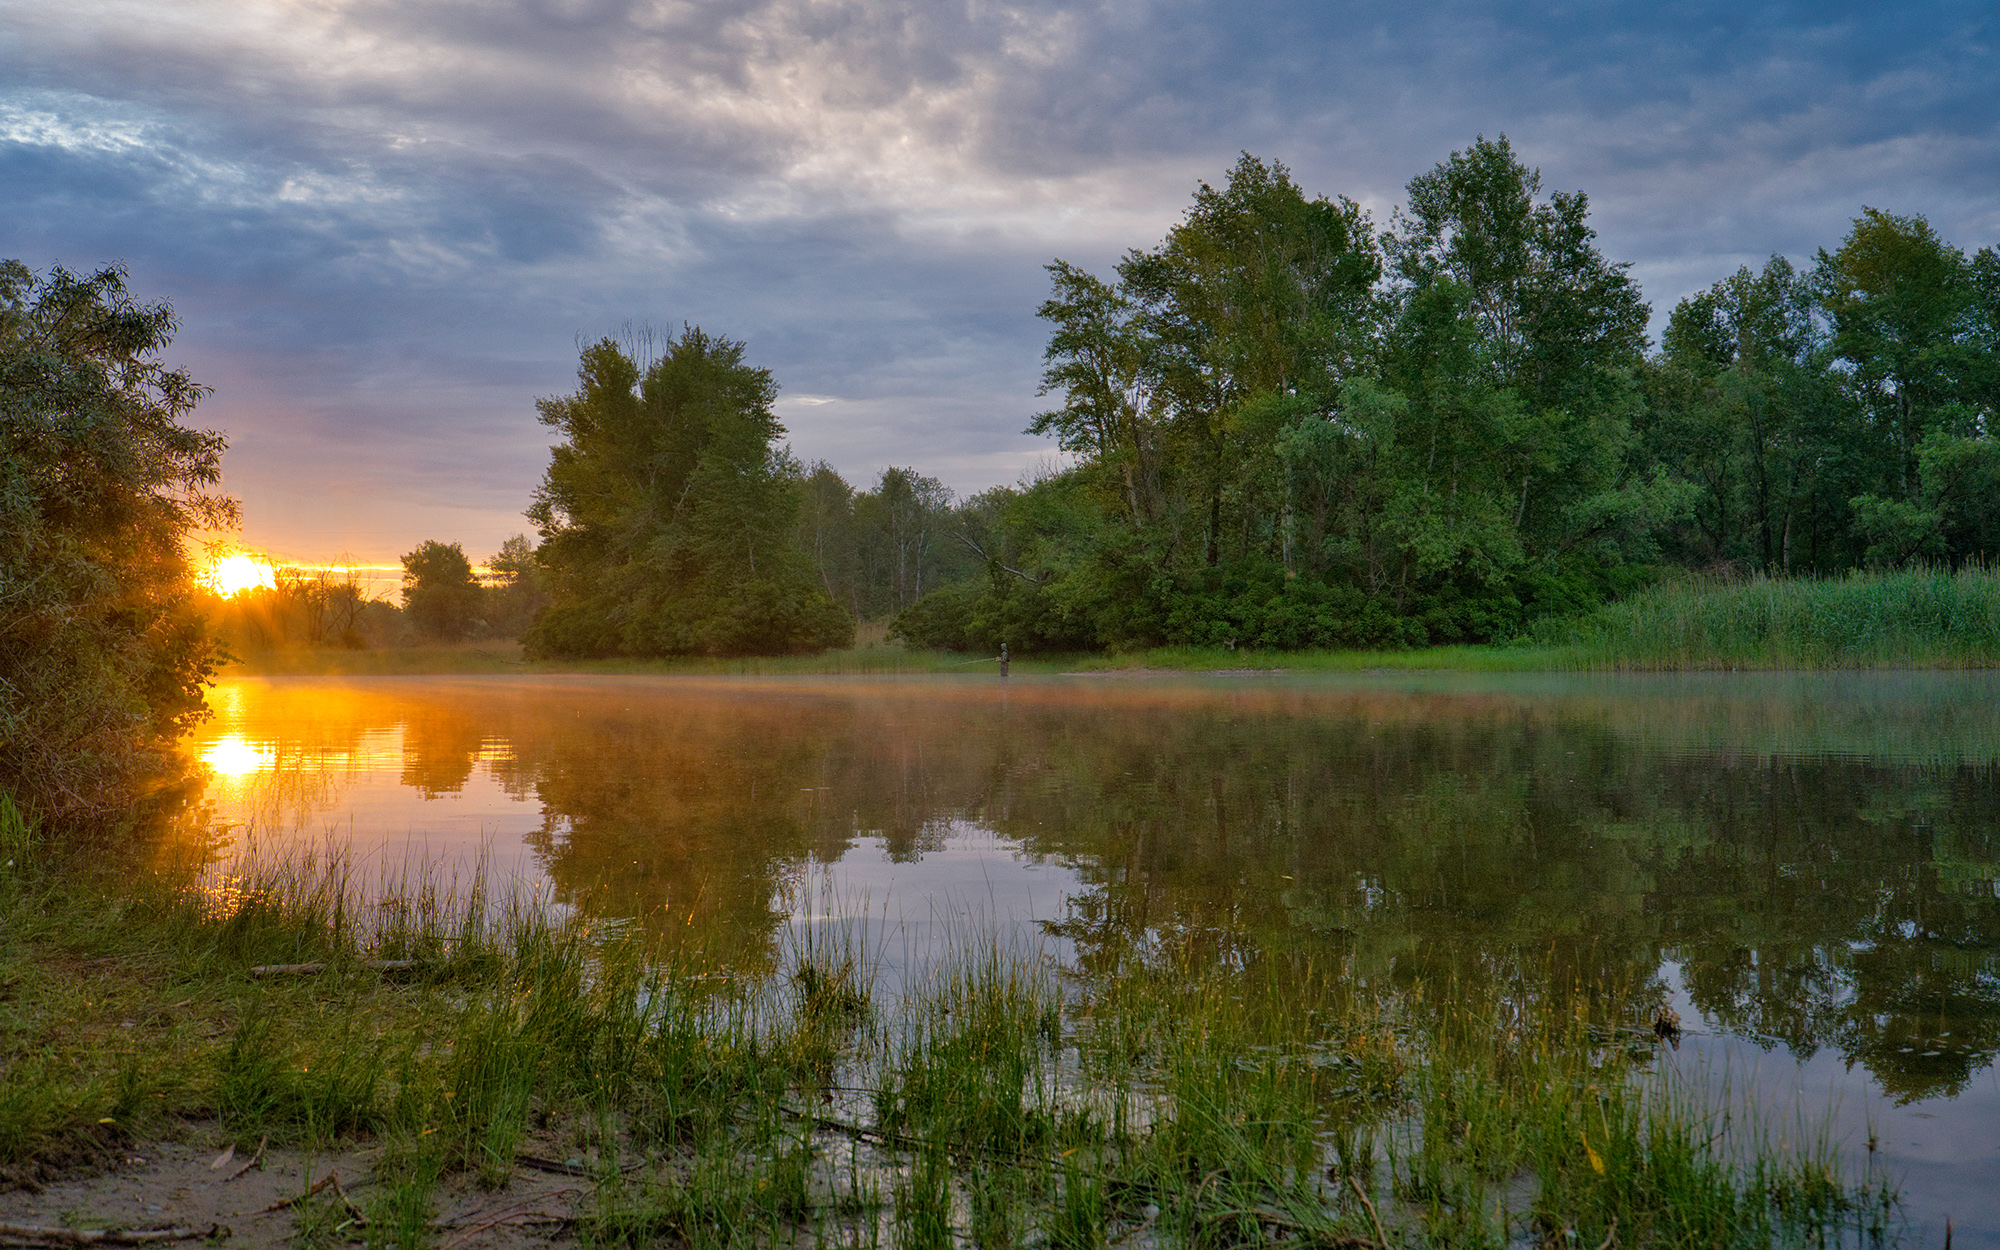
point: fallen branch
(554, 1168)
(35, 1234)
(346, 1201)
(1285, 1223)
(515, 1212)
(331, 1178)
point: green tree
(1517, 344)
(440, 595)
(900, 538)
(826, 531)
(1177, 382)
(1917, 323)
(669, 521)
(1744, 405)
(103, 658)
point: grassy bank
(1910, 619)
(1178, 1096)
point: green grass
(1189, 1097)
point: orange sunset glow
(232, 575)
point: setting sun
(235, 574)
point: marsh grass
(1189, 1098)
(1910, 618)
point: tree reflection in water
(1817, 855)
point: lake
(1802, 865)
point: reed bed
(996, 1100)
(1913, 618)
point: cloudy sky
(387, 224)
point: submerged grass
(1183, 1099)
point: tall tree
(1916, 321)
(826, 531)
(1543, 390)
(668, 517)
(516, 594)
(102, 656)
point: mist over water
(1803, 865)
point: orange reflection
(235, 756)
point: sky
(388, 225)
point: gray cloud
(386, 224)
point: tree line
(1289, 428)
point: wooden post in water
(1003, 659)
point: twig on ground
(331, 1178)
(300, 970)
(35, 1234)
(256, 1161)
(346, 1201)
(556, 1168)
(1279, 1220)
(514, 1212)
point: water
(1804, 866)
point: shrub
(102, 654)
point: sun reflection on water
(233, 755)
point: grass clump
(1187, 1094)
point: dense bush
(103, 656)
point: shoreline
(493, 657)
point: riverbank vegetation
(1186, 1092)
(1911, 618)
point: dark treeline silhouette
(443, 598)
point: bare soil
(179, 1185)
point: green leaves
(668, 520)
(102, 654)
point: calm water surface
(1804, 865)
